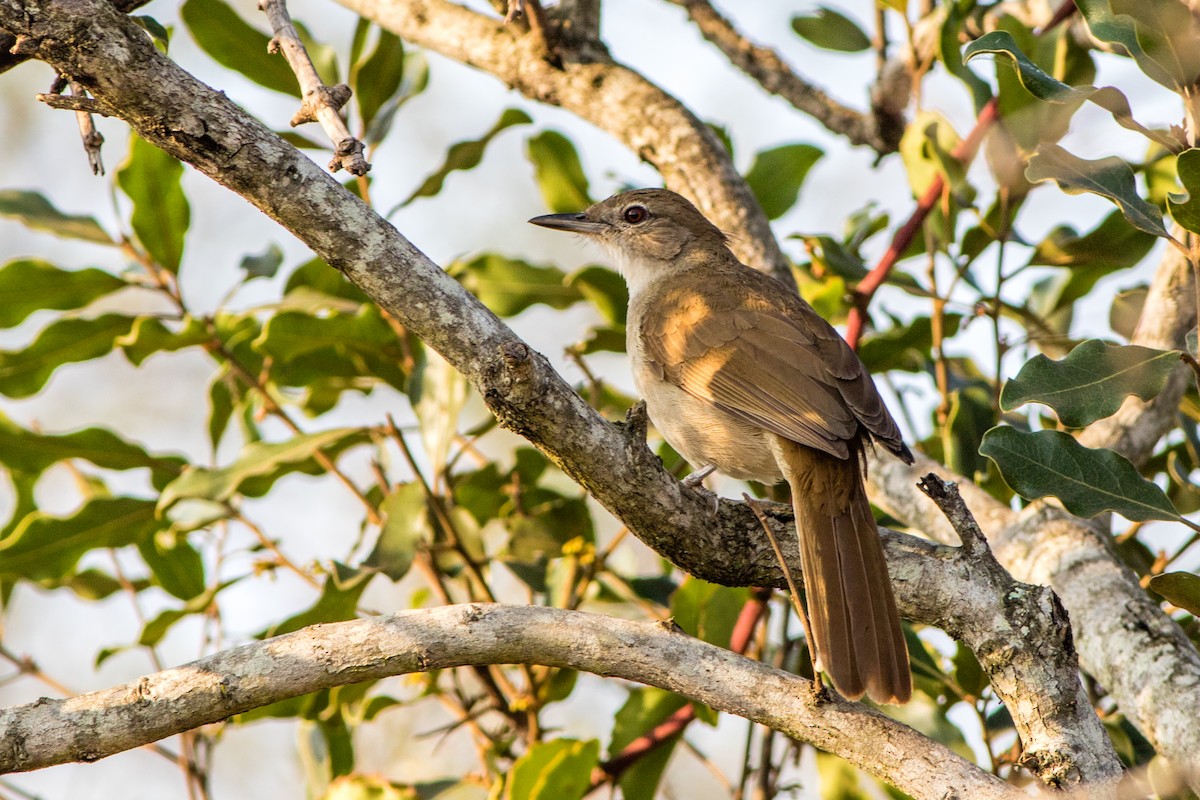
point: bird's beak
(574, 223)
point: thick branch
(96, 725)
(879, 132)
(652, 123)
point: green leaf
(905, 347)
(467, 155)
(708, 611)
(1168, 37)
(235, 44)
(927, 138)
(438, 393)
(1108, 177)
(1185, 208)
(338, 600)
(508, 286)
(318, 276)
(161, 215)
(1179, 588)
(1091, 382)
(380, 76)
(645, 709)
(831, 30)
(154, 630)
(43, 547)
(259, 465)
(25, 372)
(1122, 29)
(1112, 245)
(971, 414)
(149, 336)
(605, 289)
(264, 265)
(1086, 481)
(33, 453)
(39, 214)
(156, 30)
(29, 285)
(777, 175)
(405, 530)
(176, 565)
(558, 173)
(560, 769)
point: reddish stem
(964, 152)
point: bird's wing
(775, 364)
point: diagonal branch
(95, 725)
(881, 132)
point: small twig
(516, 10)
(756, 507)
(72, 102)
(321, 103)
(945, 494)
(92, 138)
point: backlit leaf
(338, 600)
(508, 286)
(1091, 382)
(1179, 588)
(1185, 208)
(25, 372)
(405, 530)
(44, 547)
(777, 174)
(831, 30)
(1086, 481)
(235, 44)
(380, 76)
(467, 155)
(645, 709)
(161, 215)
(559, 769)
(149, 336)
(28, 285)
(39, 214)
(558, 173)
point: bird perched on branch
(741, 375)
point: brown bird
(741, 375)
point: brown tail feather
(858, 639)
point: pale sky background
(164, 406)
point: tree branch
(95, 725)
(880, 132)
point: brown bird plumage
(741, 374)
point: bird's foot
(695, 482)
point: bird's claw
(695, 482)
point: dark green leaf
(1179, 588)
(969, 676)
(558, 172)
(37, 213)
(405, 530)
(508, 286)
(33, 453)
(264, 265)
(904, 347)
(560, 769)
(949, 39)
(176, 565)
(259, 465)
(1112, 245)
(44, 547)
(158, 32)
(1091, 382)
(833, 257)
(777, 175)
(25, 372)
(154, 630)
(1168, 35)
(1086, 481)
(235, 44)
(220, 404)
(161, 215)
(1121, 29)
(149, 336)
(467, 155)
(971, 414)
(1108, 177)
(338, 601)
(831, 30)
(27, 285)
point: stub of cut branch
(92, 138)
(321, 104)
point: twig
(72, 102)
(945, 494)
(321, 103)
(92, 138)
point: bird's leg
(695, 482)
(756, 507)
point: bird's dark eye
(636, 214)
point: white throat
(638, 273)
